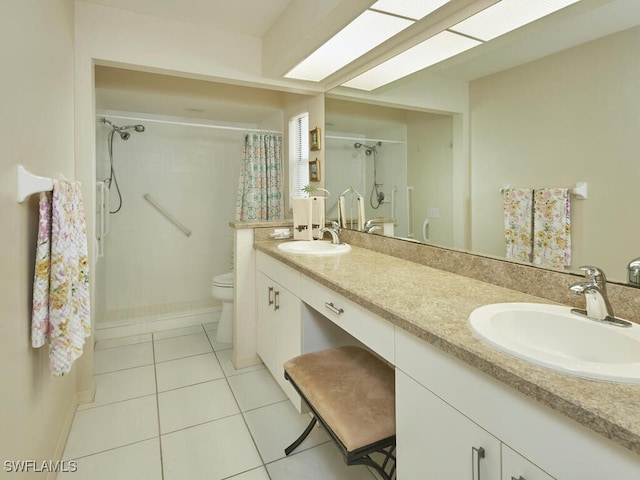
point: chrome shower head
(124, 135)
(357, 145)
(137, 128)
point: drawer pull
(333, 308)
(270, 292)
(277, 300)
(477, 454)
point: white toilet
(222, 289)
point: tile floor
(170, 405)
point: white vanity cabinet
(516, 467)
(436, 441)
(534, 441)
(279, 333)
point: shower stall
(160, 176)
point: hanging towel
(302, 216)
(552, 227)
(518, 226)
(61, 310)
(317, 216)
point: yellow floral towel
(552, 227)
(518, 228)
(61, 311)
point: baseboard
(64, 435)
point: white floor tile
(139, 461)
(178, 332)
(217, 346)
(208, 327)
(275, 427)
(212, 451)
(109, 426)
(124, 384)
(121, 342)
(120, 358)
(195, 404)
(319, 463)
(255, 474)
(256, 389)
(224, 357)
(178, 347)
(188, 371)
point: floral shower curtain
(260, 187)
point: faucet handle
(594, 275)
(336, 226)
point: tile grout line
(244, 420)
(155, 376)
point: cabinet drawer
(278, 271)
(375, 332)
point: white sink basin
(314, 247)
(553, 337)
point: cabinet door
(516, 467)
(436, 442)
(287, 309)
(266, 324)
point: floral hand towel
(552, 227)
(61, 310)
(518, 227)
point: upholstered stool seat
(352, 393)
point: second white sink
(553, 337)
(314, 247)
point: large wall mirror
(552, 104)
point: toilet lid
(224, 280)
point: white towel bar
(579, 190)
(28, 184)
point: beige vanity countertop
(434, 305)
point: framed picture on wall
(314, 170)
(314, 139)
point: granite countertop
(434, 305)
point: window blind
(299, 154)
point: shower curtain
(260, 186)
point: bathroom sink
(314, 247)
(553, 337)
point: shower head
(122, 131)
(357, 145)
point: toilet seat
(224, 281)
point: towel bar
(28, 184)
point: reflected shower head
(137, 128)
(124, 135)
(357, 145)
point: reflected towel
(302, 215)
(342, 219)
(552, 227)
(518, 227)
(61, 310)
(361, 218)
(317, 216)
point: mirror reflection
(528, 112)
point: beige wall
(37, 125)
(566, 118)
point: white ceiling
(249, 17)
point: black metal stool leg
(301, 438)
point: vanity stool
(351, 392)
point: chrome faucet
(334, 230)
(370, 225)
(633, 272)
(594, 288)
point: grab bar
(167, 215)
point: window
(299, 154)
